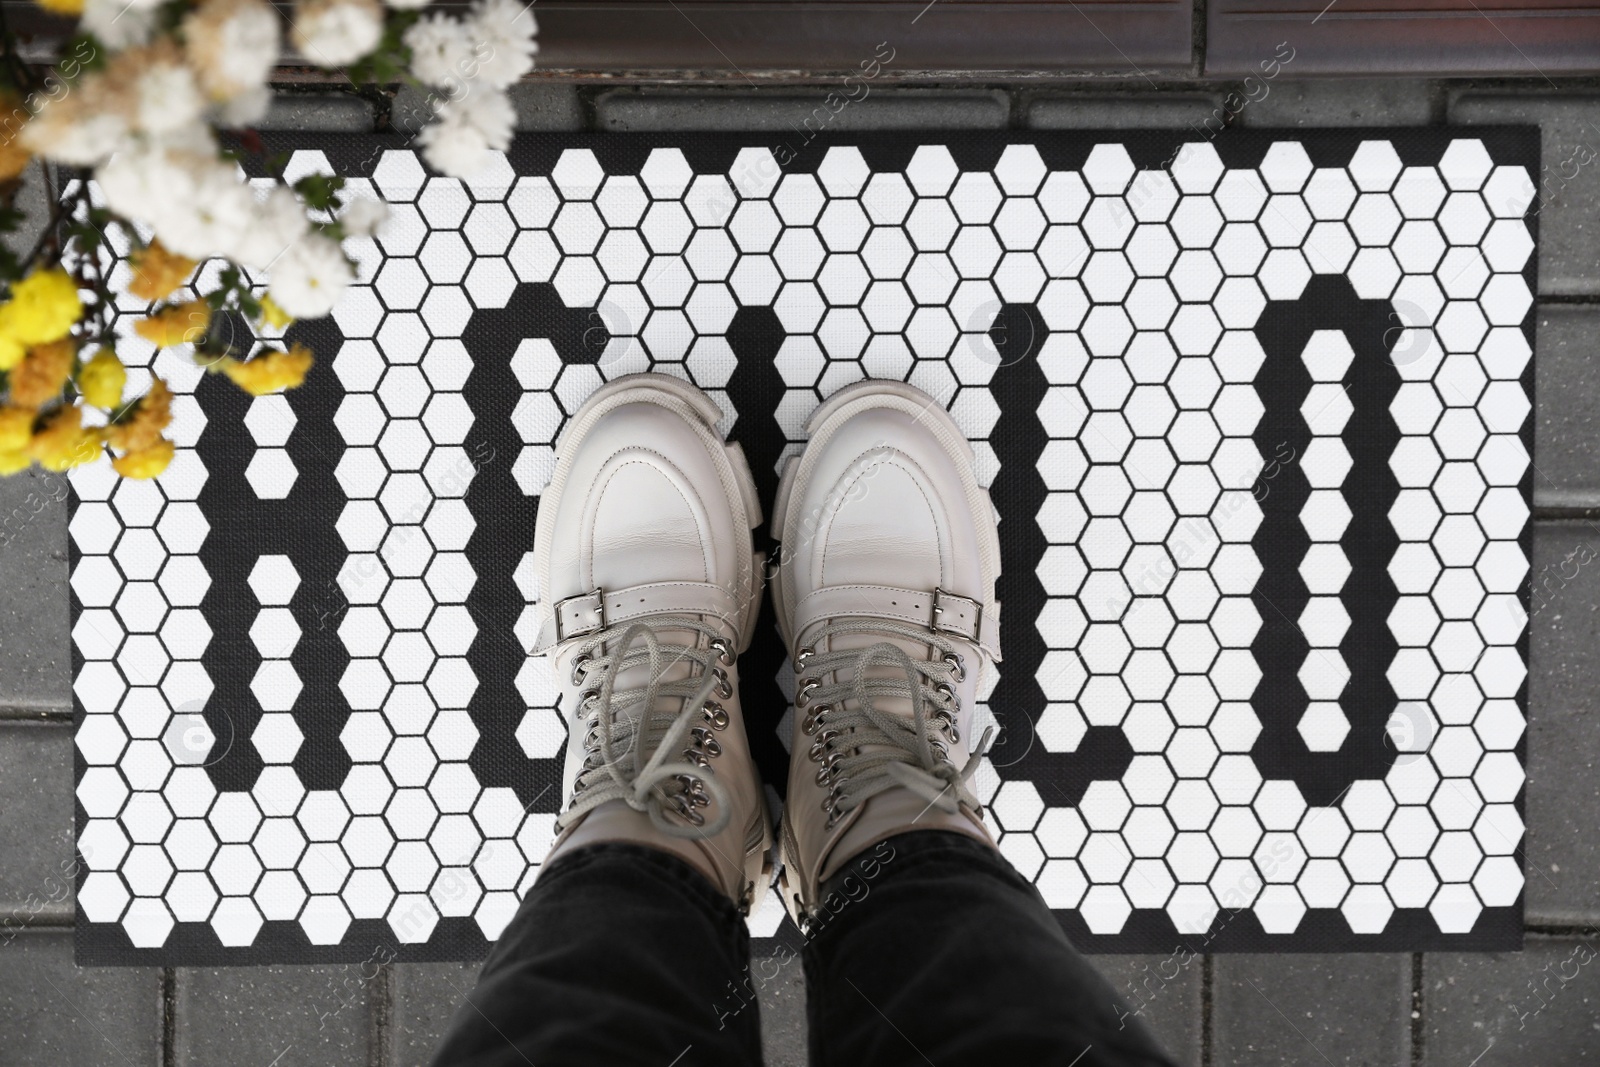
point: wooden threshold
(1521, 38)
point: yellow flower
(14, 460)
(270, 371)
(146, 462)
(43, 307)
(274, 315)
(176, 324)
(11, 350)
(64, 443)
(39, 378)
(63, 7)
(16, 426)
(101, 380)
(142, 426)
(157, 272)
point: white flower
(233, 46)
(279, 222)
(167, 98)
(77, 136)
(197, 138)
(363, 217)
(248, 107)
(117, 24)
(441, 50)
(308, 280)
(141, 182)
(453, 148)
(457, 145)
(331, 33)
(503, 30)
(213, 221)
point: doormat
(1255, 415)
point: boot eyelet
(723, 650)
(957, 665)
(714, 714)
(580, 668)
(803, 697)
(685, 808)
(823, 743)
(804, 654)
(704, 742)
(815, 719)
(944, 689)
(724, 687)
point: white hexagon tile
(1254, 413)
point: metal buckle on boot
(953, 614)
(580, 615)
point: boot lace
(655, 760)
(863, 751)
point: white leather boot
(884, 592)
(649, 591)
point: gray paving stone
(36, 833)
(1538, 1006)
(1567, 408)
(782, 1002)
(546, 106)
(1569, 217)
(283, 1016)
(410, 109)
(35, 208)
(321, 112)
(1167, 992)
(789, 112)
(1338, 102)
(1296, 1010)
(52, 1012)
(1563, 791)
(425, 997)
(35, 663)
(1129, 111)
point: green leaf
(319, 191)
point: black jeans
(932, 949)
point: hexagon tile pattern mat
(1254, 412)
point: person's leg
(930, 948)
(630, 948)
(620, 955)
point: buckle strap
(940, 611)
(591, 612)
